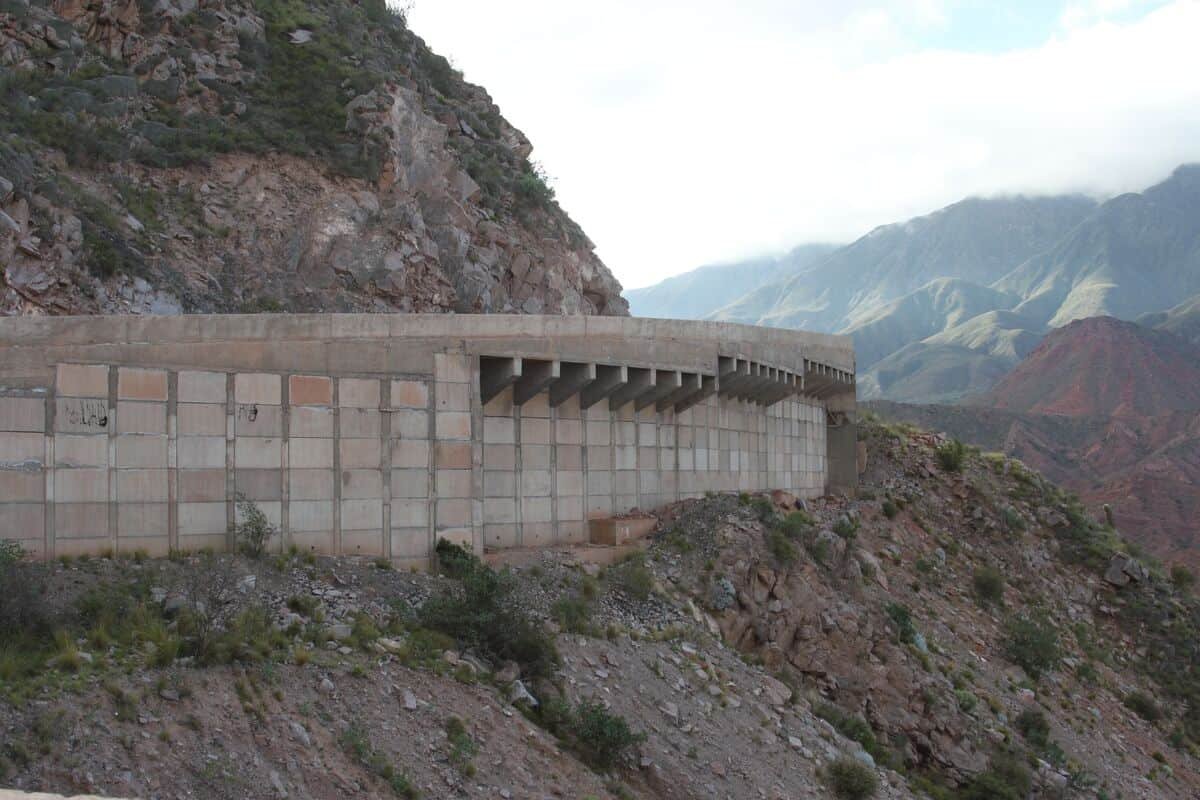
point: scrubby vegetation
(849, 779)
(481, 613)
(950, 455)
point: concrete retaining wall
(375, 435)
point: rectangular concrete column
(359, 466)
(83, 420)
(454, 514)
(258, 446)
(26, 471)
(411, 486)
(141, 462)
(203, 460)
(536, 472)
(311, 479)
(501, 497)
(570, 475)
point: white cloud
(681, 134)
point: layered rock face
(238, 156)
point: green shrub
(890, 509)
(901, 617)
(950, 455)
(454, 560)
(634, 577)
(764, 509)
(782, 549)
(462, 747)
(1182, 578)
(574, 614)
(255, 530)
(1032, 643)
(795, 524)
(599, 737)
(1006, 778)
(850, 779)
(480, 613)
(1034, 726)
(845, 527)
(989, 586)
(1143, 705)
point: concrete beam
(708, 387)
(665, 382)
(734, 371)
(639, 380)
(690, 382)
(608, 380)
(574, 376)
(536, 376)
(497, 374)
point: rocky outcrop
(170, 158)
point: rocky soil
(755, 645)
(229, 155)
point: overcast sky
(684, 133)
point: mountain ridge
(265, 155)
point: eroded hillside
(258, 155)
(961, 631)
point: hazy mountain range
(942, 306)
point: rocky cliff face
(226, 155)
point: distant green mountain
(696, 294)
(977, 240)
(1135, 254)
(943, 305)
(1182, 320)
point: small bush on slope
(850, 779)
(1032, 643)
(480, 613)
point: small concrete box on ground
(615, 531)
(377, 435)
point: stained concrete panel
(359, 453)
(257, 453)
(410, 425)
(80, 486)
(202, 518)
(410, 394)
(406, 454)
(257, 389)
(80, 520)
(22, 414)
(200, 452)
(310, 484)
(22, 487)
(22, 521)
(201, 485)
(201, 387)
(81, 380)
(310, 422)
(141, 451)
(361, 483)
(17, 449)
(141, 384)
(410, 483)
(310, 453)
(142, 485)
(310, 390)
(358, 393)
(200, 419)
(361, 514)
(80, 451)
(360, 423)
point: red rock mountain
(1111, 410)
(1103, 366)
